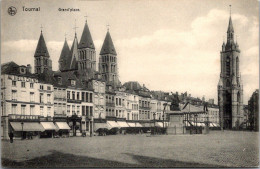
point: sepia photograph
(130, 84)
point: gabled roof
(108, 46)
(86, 39)
(73, 52)
(65, 52)
(12, 68)
(41, 49)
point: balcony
(144, 108)
(74, 101)
(110, 104)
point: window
(87, 111)
(48, 87)
(87, 97)
(68, 110)
(78, 110)
(41, 98)
(83, 96)
(59, 80)
(14, 108)
(31, 110)
(41, 110)
(49, 111)
(73, 109)
(41, 87)
(48, 98)
(68, 94)
(116, 101)
(13, 83)
(83, 111)
(14, 95)
(73, 95)
(77, 95)
(31, 97)
(90, 98)
(23, 84)
(31, 85)
(23, 109)
(91, 111)
(73, 82)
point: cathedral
(81, 58)
(230, 88)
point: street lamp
(22, 130)
(165, 104)
(154, 121)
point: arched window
(237, 66)
(238, 97)
(228, 66)
(228, 83)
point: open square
(222, 149)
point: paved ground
(220, 149)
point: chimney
(29, 68)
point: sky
(170, 45)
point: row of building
(78, 98)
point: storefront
(63, 129)
(49, 130)
(27, 130)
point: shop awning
(146, 125)
(131, 124)
(49, 126)
(138, 125)
(27, 126)
(113, 124)
(101, 126)
(122, 124)
(211, 125)
(159, 124)
(62, 125)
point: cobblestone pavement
(222, 149)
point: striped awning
(131, 124)
(62, 126)
(98, 126)
(122, 124)
(113, 124)
(159, 124)
(27, 126)
(49, 126)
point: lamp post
(22, 130)
(165, 104)
(154, 121)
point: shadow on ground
(58, 159)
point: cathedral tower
(65, 54)
(86, 49)
(230, 89)
(108, 61)
(42, 59)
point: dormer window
(59, 80)
(73, 83)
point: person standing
(11, 135)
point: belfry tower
(87, 53)
(42, 61)
(230, 88)
(108, 61)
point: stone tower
(65, 54)
(230, 89)
(108, 61)
(42, 61)
(86, 49)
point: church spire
(230, 31)
(41, 49)
(86, 39)
(64, 56)
(108, 46)
(73, 53)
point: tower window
(228, 66)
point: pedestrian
(11, 135)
